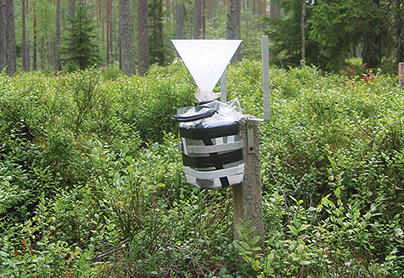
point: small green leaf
(293, 230)
(3, 254)
(250, 230)
(305, 262)
(254, 240)
(245, 245)
(239, 248)
(338, 192)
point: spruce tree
(78, 50)
(156, 38)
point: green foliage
(79, 51)
(246, 248)
(157, 50)
(111, 73)
(92, 184)
(286, 36)
(339, 26)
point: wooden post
(247, 201)
(401, 74)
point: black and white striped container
(212, 148)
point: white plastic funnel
(206, 60)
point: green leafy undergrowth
(92, 182)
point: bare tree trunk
(143, 37)
(274, 12)
(237, 13)
(233, 25)
(399, 33)
(108, 24)
(371, 55)
(24, 38)
(35, 38)
(10, 38)
(27, 47)
(203, 19)
(98, 12)
(179, 19)
(253, 7)
(127, 45)
(58, 63)
(102, 20)
(198, 19)
(214, 14)
(303, 30)
(3, 48)
(114, 35)
(209, 8)
(231, 21)
(111, 23)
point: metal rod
(265, 78)
(223, 85)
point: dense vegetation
(92, 182)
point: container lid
(206, 60)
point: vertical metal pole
(223, 86)
(265, 78)
(247, 200)
(401, 74)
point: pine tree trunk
(230, 24)
(233, 25)
(24, 38)
(143, 37)
(399, 33)
(198, 19)
(253, 7)
(35, 37)
(372, 44)
(214, 14)
(274, 12)
(111, 23)
(303, 30)
(58, 64)
(108, 24)
(3, 49)
(10, 38)
(237, 13)
(127, 45)
(179, 19)
(102, 21)
(203, 35)
(209, 7)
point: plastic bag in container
(212, 148)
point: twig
(108, 253)
(283, 192)
(194, 261)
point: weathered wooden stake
(247, 201)
(401, 74)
